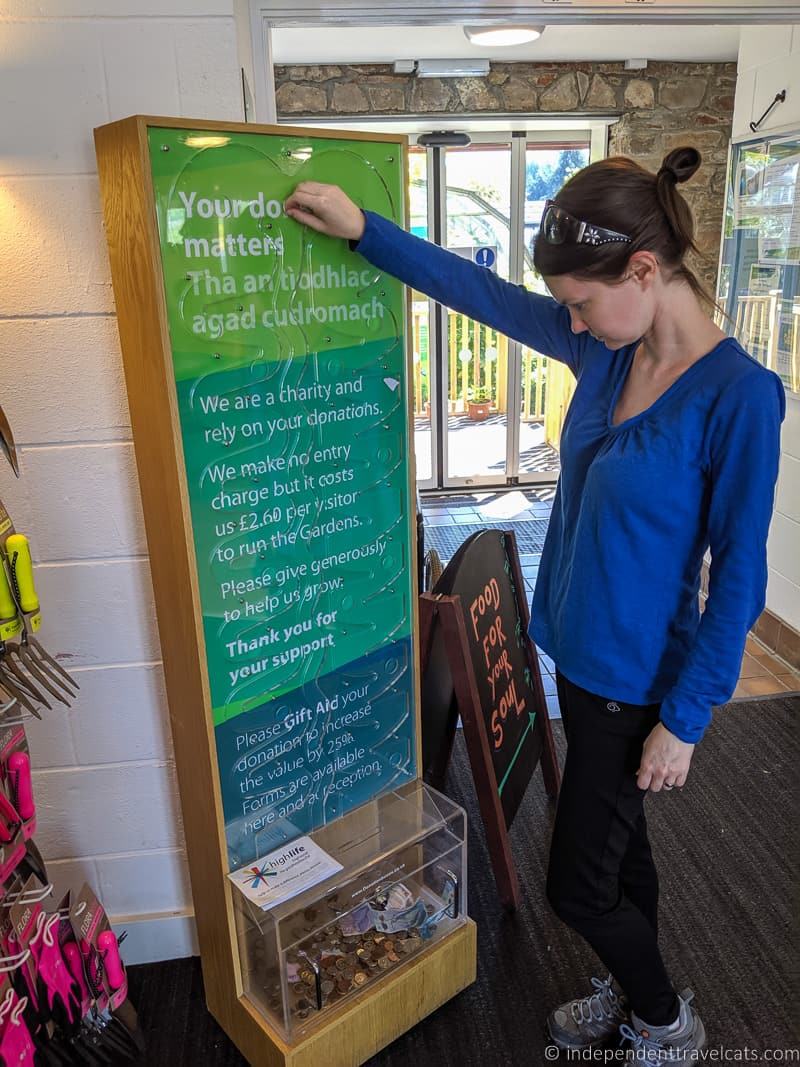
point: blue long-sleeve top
(638, 504)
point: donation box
(268, 376)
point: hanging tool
(7, 442)
(18, 689)
(16, 1043)
(43, 668)
(13, 679)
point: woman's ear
(643, 268)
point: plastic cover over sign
(290, 381)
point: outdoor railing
(770, 332)
(478, 366)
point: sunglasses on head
(558, 227)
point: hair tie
(668, 171)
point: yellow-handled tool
(33, 655)
(8, 606)
(19, 557)
(15, 681)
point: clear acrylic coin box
(402, 888)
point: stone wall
(665, 105)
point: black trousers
(602, 880)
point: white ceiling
(385, 44)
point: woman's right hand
(326, 209)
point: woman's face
(616, 314)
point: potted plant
(478, 404)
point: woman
(670, 446)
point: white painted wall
(104, 777)
(769, 60)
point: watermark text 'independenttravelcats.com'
(715, 1054)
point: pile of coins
(346, 962)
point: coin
(327, 987)
(360, 978)
(388, 945)
(341, 963)
(379, 938)
(384, 963)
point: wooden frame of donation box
(213, 282)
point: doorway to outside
(488, 410)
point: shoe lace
(640, 1043)
(602, 1004)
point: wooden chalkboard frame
(355, 1032)
(440, 610)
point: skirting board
(155, 937)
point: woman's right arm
(537, 321)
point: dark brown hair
(619, 194)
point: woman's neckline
(668, 392)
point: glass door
(759, 276)
(488, 411)
(477, 182)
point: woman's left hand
(665, 760)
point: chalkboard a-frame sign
(478, 661)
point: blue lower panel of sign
(295, 763)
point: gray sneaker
(663, 1044)
(591, 1020)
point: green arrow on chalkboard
(527, 730)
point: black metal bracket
(779, 98)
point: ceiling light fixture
(502, 36)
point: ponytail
(678, 166)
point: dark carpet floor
(726, 849)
